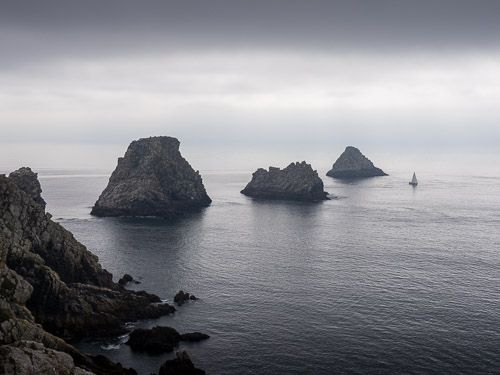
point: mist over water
(385, 278)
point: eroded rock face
(353, 164)
(30, 357)
(297, 182)
(152, 179)
(27, 180)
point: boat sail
(414, 181)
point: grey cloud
(77, 28)
(250, 71)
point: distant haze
(251, 74)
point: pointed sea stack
(152, 179)
(297, 182)
(353, 164)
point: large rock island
(152, 179)
(297, 182)
(353, 164)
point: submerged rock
(160, 339)
(297, 182)
(180, 365)
(194, 336)
(353, 164)
(152, 179)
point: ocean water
(384, 278)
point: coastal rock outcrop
(27, 180)
(152, 179)
(50, 285)
(353, 164)
(127, 279)
(72, 295)
(30, 357)
(182, 297)
(160, 339)
(180, 365)
(297, 182)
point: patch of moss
(4, 315)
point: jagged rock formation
(297, 182)
(127, 279)
(353, 164)
(182, 297)
(48, 277)
(180, 365)
(152, 179)
(27, 180)
(160, 339)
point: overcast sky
(251, 72)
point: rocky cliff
(27, 180)
(353, 164)
(297, 182)
(50, 285)
(152, 179)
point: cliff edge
(51, 285)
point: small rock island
(353, 164)
(297, 182)
(152, 179)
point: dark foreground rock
(182, 297)
(30, 357)
(353, 164)
(152, 179)
(50, 285)
(180, 365)
(27, 180)
(160, 339)
(297, 182)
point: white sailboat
(414, 181)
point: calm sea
(385, 278)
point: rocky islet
(298, 182)
(152, 179)
(353, 164)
